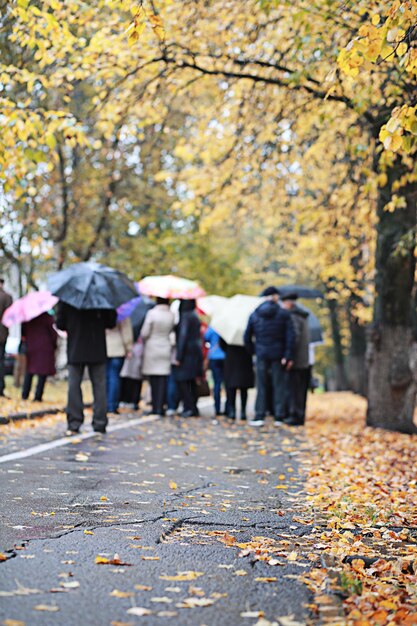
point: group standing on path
(167, 350)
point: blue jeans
(113, 369)
(217, 369)
(279, 380)
(172, 393)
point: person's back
(86, 329)
(268, 324)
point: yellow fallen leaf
(143, 587)
(88, 532)
(241, 572)
(3, 557)
(104, 498)
(46, 607)
(172, 484)
(252, 614)
(121, 594)
(13, 622)
(281, 487)
(293, 556)
(150, 558)
(191, 603)
(101, 560)
(182, 576)
(265, 579)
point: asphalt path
(163, 504)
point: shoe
(279, 420)
(231, 415)
(256, 422)
(170, 412)
(114, 412)
(293, 421)
(187, 414)
(102, 431)
(71, 433)
(243, 417)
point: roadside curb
(15, 417)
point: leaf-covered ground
(363, 490)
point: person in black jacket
(238, 375)
(189, 356)
(86, 330)
(272, 329)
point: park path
(99, 531)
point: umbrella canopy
(27, 308)
(136, 309)
(300, 290)
(171, 287)
(210, 304)
(92, 286)
(231, 319)
(314, 326)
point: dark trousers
(113, 369)
(217, 369)
(188, 392)
(159, 393)
(231, 401)
(173, 398)
(278, 378)
(27, 385)
(2, 352)
(130, 390)
(298, 381)
(75, 413)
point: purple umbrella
(126, 309)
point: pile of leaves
(363, 489)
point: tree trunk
(392, 347)
(356, 362)
(341, 378)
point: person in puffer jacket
(270, 336)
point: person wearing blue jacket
(216, 358)
(270, 336)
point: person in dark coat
(5, 301)
(299, 375)
(273, 332)
(40, 338)
(189, 356)
(238, 375)
(86, 346)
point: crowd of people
(172, 352)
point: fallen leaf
(139, 611)
(13, 622)
(3, 557)
(252, 614)
(88, 532)
(143, 587)
(150, 558)
(103, 498)
(121, 594)
(172, 484)
(71, 585)
(164, 599)
(240, 572)
(46, 607)
(182, 576)
(191, 603)
(265, 579)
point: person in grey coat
(189, 357)
(299, 375)
(156, 365)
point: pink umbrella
(27, 308)
(171, 287)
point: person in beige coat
(156, 365)
(119, 342)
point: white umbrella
(231, 320)
(209, 305)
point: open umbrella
(210, 304)
(92, 286)
(28, 307)
(300, 290)
(136, 309)
(231, 319)
(171, 287)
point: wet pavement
(161, 521)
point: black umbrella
(300, 290)
(138, 315)
(91, 286)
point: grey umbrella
(91, 286)
(300, 290)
